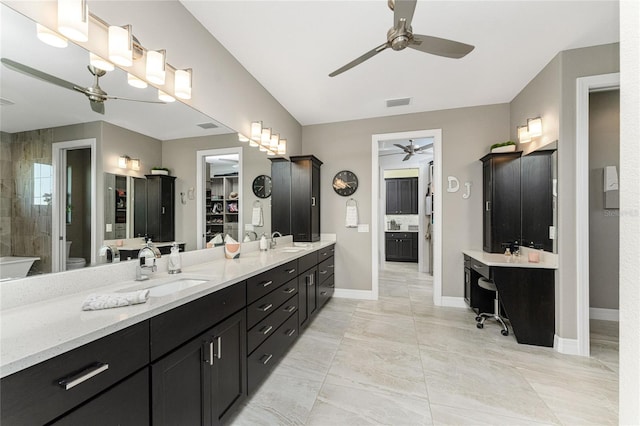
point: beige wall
(467, 134)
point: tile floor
(403, 361)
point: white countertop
(547, 260)
(34, 332)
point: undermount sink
(173, 286)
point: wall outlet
(109, 228)
(552, 232)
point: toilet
(74, 262)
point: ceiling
(290, 47)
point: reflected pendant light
(100, 63)
(253, 143)
(156, 66)
(523, 134)
(182, 83)
(164, 97)
(256, 130)
(265, 137)
(273, 146)
(242, 138)
(263, 148)
(269, 152)
(73, 19)
(121, 45)
(136, 82)
(282, 147)
(534, 125)
(50, 37)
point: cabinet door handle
(265, 308)
(477, 266)
(219, 351)
(310, 280)
(323, 272)
(291, 332)
(84, 375)
(289, 309)
(289, 290)
(323, 293)
(268, 358)
(162, 209)
(266, 329)
(266, 283)
(313, 201)
(487, 206)
(330, 266)
(211, 352)
(291, 271)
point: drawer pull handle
(291, 271)
(266, 329)
(332, 250)
(330, 266)
(323, 272)
(289, 290)
(84, 375)
(291, 332)
(219, 353)
(265, 308)
(478, 266)
(289, 309)
(323, 293)
(269, 356)
(325, 253)
(266, 283)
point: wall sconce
(242, 138)
(164, 97)
(101, 63)
(73, 19)
(123, 161)
(282, 147)
(534, 125)
(135, 164)
(156, 66)
(136, 82)
(523, 134)
(182, 83)
(121, 45)
(50, 37)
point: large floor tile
(371, 327)
(460, 416)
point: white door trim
(584, 85)
(201, 190)
(376, 226)
(58, 231)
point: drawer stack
(326, 281)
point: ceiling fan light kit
(401, 36)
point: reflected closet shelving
(222, 210)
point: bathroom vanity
(190, 356)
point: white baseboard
(453, 302)
(566, 346)
(604, 314)
(345, 293)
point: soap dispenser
(264, 244)
(175, 263)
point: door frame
(584, 86)
(376, 218)
(58, 220)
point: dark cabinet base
(401, 247)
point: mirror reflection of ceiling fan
(96, 95)
(409, 150)
(401, 36)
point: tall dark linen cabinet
(161, 207)
(281, 196)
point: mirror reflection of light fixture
(121, 45)
(523, 134)
(50, 37)
(253, 143)
(273, 146)
(263, 148)
(282, 147)
(123, 161)
(182, 83)
(534, 125)
(136, 82)
(73, 19)
(164, 97)
(242, 138)
(135, 164)
(265, 138)
(269, 152)
(156, 66)
(256, 130)
(100, 63)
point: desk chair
(490, 285)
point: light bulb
(156, 66)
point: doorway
(74, 230)
(378, 204)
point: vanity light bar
(266, 140)
(73, 19)
(121, 45)
(164, 97)
(100, 63)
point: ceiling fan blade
(370, 54)
(402, 147)
(133, 100)
(32, 72)
(440, 46)
(97, 106)
(420, 148)
(406, 157)
(403, 9)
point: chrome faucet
(147, 260)
(110, 253)
(272, 243)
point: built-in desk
(526, 290)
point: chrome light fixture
(182, 83)
(273, 146)
(156, 66)
(100, 63)
(73, 19)
(534, 125)
(135, 164)
(123, 161)
(523, 134)
(121, 45)
(50, 37)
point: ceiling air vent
(398, 102)
(207, 126)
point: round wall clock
(262, 186)
(345, 183)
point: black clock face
(262, 186)
(345, 183)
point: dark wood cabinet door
(414, 196)
(537, 199)
(305, 198)
(281, 196)
(401, 195)
(303, 313)
(230, 370)
(407, 199)
(392, 196)
(161, 207)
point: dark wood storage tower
(501, 200)
(537, 199)
(161, 207)
(305, 198)
(281, 195)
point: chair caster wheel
(478, 318)
(479, 325)
(505, 332)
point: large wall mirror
(59, 157)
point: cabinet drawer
(264, 306)
(308, 261)
(325, 269)
(265, 328)
(326, 252)
(171, 329)
(400, 235)
(267, 355)
(266, 282)
(326, 290)
(480, 268)
(35, 395)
